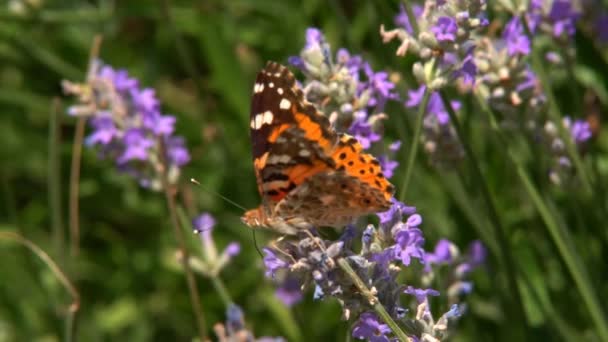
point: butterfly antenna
(255, 244)
(255, 241)
(218, 194)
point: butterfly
(308, 175)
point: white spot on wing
(280, 90)
(258, 121)
(271, 84)
(267, 118)
(258, 88)
(252, 124)
(304, 153)
(285, 104)
(279, 159)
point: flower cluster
(512, 90)
(561, 169)
(212, 262)
(506, 81)
(385, 250)
(443, 42)
(556, 18)
(234, 329)
(347, 90)
(453, 267)
(439, 137)
(128, 126)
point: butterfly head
(259, 218)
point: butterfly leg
(316, 240)
(275, 245)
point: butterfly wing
(304, 169)
(291, 141)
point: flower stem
(220, 288)
(195, 298)
(558, 233)
(54, 180)
(411, 158)
(499, 230)
(411, 17)
(75, 165)
(373, 300)
(59, 274)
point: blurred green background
(201, 57)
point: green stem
(373, 300)
(54, 179)
(558, 233)
(411, 158)
(411, 17)
(221, 290)
(555, 113)
(195, 298)
(57, 272)
(74, 209)
(499, 230)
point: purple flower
(145, 100)
(414, 97)
(420, 294)
(580, 131)
(128, 125)
(137, 146)
(443, 253)
(445, 29)
(409, 245)
(402, 20)
(388, 166)
(379, 86)
(233, 249)
(468, 70)
(477, 253)
(475, 257)
(104, 130)
(314, 38)
(177, 151)
(203, 223)
(564, 18)
(369, 327)
(395, 213)
(362, 130)
(289, 292)
(517, 41)
(272, 262)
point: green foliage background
(201, 57)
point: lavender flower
(507, 83)
(348, 91)
(234, 330)
(439, 137)
(514, 35)
(396, 244)
(128, 126)
(445, 42)
(371, 328)
(212, 262)
(556, 17)
(561, 170)
(453, 268)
